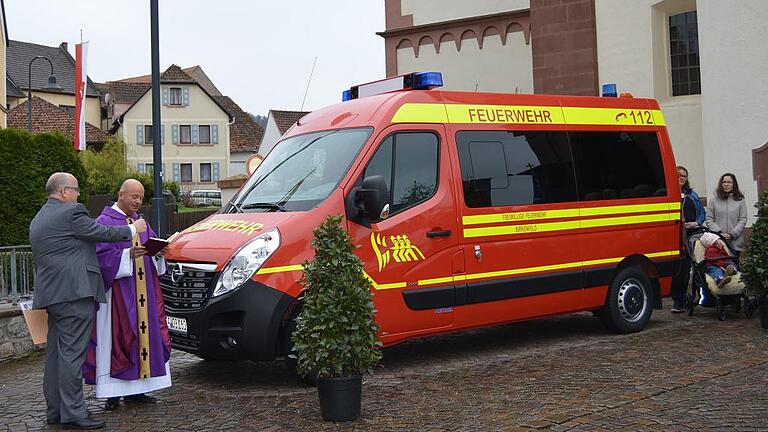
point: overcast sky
(260, 53)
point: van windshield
(301, 171)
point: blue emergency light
(609, 90)
(413, 81)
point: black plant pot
(340, 398)
(763, 306)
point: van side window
(615, 165)
(412, 178)
(503, 168)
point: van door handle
(445, 233)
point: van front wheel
(628, 306)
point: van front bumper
(243, 324)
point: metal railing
(17, 273)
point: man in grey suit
(67, 281)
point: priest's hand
(138, 251)
(162, 252)
(141, 225)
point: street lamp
(52, 85)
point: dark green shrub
(26, 162)
(754, 261)
(336, 331)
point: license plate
(176, 324)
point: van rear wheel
(629, 304)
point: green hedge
(26, 162)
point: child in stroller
(715, 278)
(718, 262)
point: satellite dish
(108, 98)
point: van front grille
(187, 286)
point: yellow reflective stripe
(523, 270)
(436, 281)
(525, 114)
(504, 114)
(288, 268)
(634, 208)
(627, 220)
(420, 113)
(520, 229)
(475, 276)
(516, 216)
(566, 213)
(566, 225)
(613, 116)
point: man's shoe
(140, 398)
(84, 424)
(53, 421)
(112, 404)
(677, 309)
(730, 270)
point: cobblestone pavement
(562, 373)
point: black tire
(721, 313)
(750, 306)
(629, 303)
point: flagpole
(157, 158)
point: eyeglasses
(74, 188)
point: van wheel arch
(630, 298)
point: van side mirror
(373, 197)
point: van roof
(427, 106)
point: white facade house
(278, 123)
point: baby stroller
(731, 294)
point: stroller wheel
(721, 313)
(689, 304)
(737, 305)
(750, 306)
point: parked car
(205, 198)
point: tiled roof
(19, 55)
(194, 72)
(245, 134)
(47, 117)
(11, 90)
(175, 74)
(123, 92)
(286, 119)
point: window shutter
(215, 175)
(195, 135)
(175, 133)
(140, 168)
(185, 96)
(176, 175)
(162, 134)
(139, 134)
(214, 134)
(165, 96)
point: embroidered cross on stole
(140, 275)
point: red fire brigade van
(469, 210)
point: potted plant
(336, 336)
(755, 261)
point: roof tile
(245, 134)
(47, 117)
(286, 119)
(19, 54)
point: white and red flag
(81, 83)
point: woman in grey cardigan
(727, 212)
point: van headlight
(247, 261)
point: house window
(684, 54)
(148, 134)
(68, 108)
(186, 173)
(149, 169)
(205, 172)
(185, 134)
(176, 96)
(205, 134)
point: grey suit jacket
(63, 239)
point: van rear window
(505, 168)
(617, 165)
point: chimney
(64, 46)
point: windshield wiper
(266, 205)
